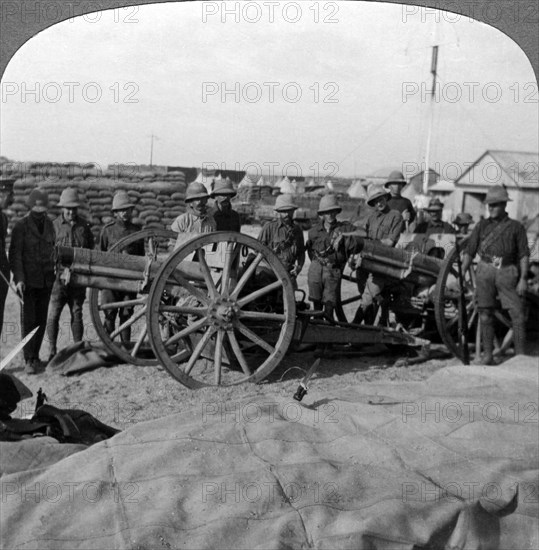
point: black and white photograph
(269, 275)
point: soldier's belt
(498, 261)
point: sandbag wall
(158, 198)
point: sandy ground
(125, 394)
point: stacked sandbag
(158, 197)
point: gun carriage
(222, 309)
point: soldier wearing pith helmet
(117, 229)
(502, 246)
(31, 257)
(285, 237)
(71, 230)
(394, 184)
(327, 264)
(226, 219)
(462, 222)
(197, 218)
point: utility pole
(151, 151)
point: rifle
(463, 314)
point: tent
(356, 190)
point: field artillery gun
(221, 309)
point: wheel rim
(138, 351)
(240, 327)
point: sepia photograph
(269, 275)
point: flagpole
(433, 70)
(151, 151)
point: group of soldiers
(31, 271)
(500, 242)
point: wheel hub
(222, 313)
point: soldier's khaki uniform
(501, 244)
(77, 235)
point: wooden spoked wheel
(238, 310)
(447, 303)
(129, 338)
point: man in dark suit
(31, 257)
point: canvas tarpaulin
(432, 464)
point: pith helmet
(224, 188)
(38, 200)
(497, 194)
(395, 177)
(375, 191)
(463, 219)
(196, 190)
(328, 203)
(121, 201)
(284, 203)
(69, 198)
(435, 204)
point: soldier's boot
(519, 338)
(487, 335)
(329, 309)
(317, 306)
(125, 336)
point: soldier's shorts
(323, 281)
(502, 282)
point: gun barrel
(397, 263)
(109, 269)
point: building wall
(523, 203)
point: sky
(331, 89)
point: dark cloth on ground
(81, 357)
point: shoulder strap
(492, 236)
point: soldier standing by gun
(196, 219)
(121, 227)
(225, 218)
(327, 264)
(395, 184)
(71, 230)
(383, 225)
(284, 237)
(502, 270)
